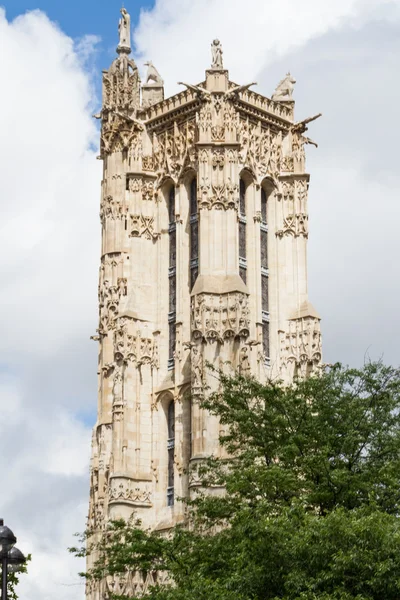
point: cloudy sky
(344, 55)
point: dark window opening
(171, 452)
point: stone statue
(216, 53)
(197, 368)
(152, 75)
(244, 362)
(284, 89)
(124, 29)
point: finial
(124, 30)
(216, 55)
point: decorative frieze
(129, 491)
(216, 317)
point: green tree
(311, 503)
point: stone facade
(204, 259)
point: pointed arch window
(171, 452)
(194, 234)
(264, 272)
(242, 231)
(172, 278)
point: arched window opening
(264, 272)
(242, 231)
(171, 452)
(194, 234)
(172, 278)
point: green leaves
(311, 504)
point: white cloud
(343, 54)
(49, 190)
(176, 34)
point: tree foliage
(311, 503)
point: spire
(124, 30)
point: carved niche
(216, 317)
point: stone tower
(204, 259)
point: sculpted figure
(197, 368)
(124, 29)
(216, 53)
(152, 74)
(284, 89)
(117, 384)
(244, 362)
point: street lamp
(12, 559)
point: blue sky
(96, 17)
(344, 55)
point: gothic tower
(204, 259)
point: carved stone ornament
(121, 85)
(174, 150)
(118, 406)
(261, 150)
(145, 186)
(141, 226)
(133, 343)
(216, 317)
(300, 347)
(220, 196)
(109, 298)
(284, 90)
(119, 133)
(133, 584)
(293, 195)
(111, 209)
(129, 491)
(148, 163)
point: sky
(344, 55)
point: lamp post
(12, 559)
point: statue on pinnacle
(124, 30)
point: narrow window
(172, 277)
(171, 452)
(264, 272)
(194, 234)
(242, 231)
